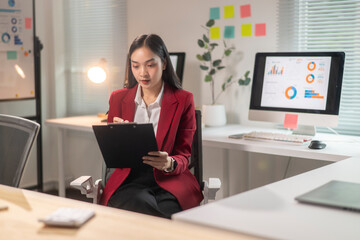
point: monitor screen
(178, 62)
(304, 83)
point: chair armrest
(210, 189)
(86, 186)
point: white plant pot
(214, 115)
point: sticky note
(229, 32)
(215, 13)
(245, 30)
(28, 23)
(290, 121)
(260, 29)
(245, 11)
(229, 11)
(11, 55)
(215, 32)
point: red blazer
(175, 132)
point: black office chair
(17, 136)
(93, 190)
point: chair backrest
(195, 161)
(17, 136)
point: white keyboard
(68, 217)
(277, 137)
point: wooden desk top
(20, 221)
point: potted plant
(211, 66)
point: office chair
(93, 190)
(17, 136)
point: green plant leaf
(206, 56)
(214, 44)
(227, 52)
(216, 62)
(205, 38)
(229, 79)
(204, 67)
(244, 82)
(201, 43)
(220, 67)
(223, 86)
(212, 71)
(247, 74)
(210, 23)
(199, 57)
(208, 78)
(247, 81)
(241, 82)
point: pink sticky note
(290, 121)
(245, 11)
(260, 29)
(28, 23)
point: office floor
(72, 193)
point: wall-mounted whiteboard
(17, 77)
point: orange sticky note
(260, 29)
(28, 23)
(245, 11)
(290, 121)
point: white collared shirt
(151, 113)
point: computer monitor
(307, 84)
(178, 62)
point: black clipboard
(124, 144)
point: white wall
(179, 24)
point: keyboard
(68, 217)
(277, 137)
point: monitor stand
(305, 130)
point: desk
(20, 221)
(81, 123)
(271, 211)
(338, 147)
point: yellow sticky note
(229, 11)
(245, 30)
(215, 33)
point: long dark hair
(157, 46)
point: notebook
(123, 145)
(338, 194)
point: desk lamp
(97, 74)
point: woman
(163, 185)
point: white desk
(338, 147)
(80, 123)
(271, 211)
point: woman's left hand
(158, 160)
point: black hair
(157, 46)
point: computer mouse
(316, 144)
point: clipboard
(123, 145)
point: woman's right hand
(119, 120)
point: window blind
(94, 30)
(328, 25)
